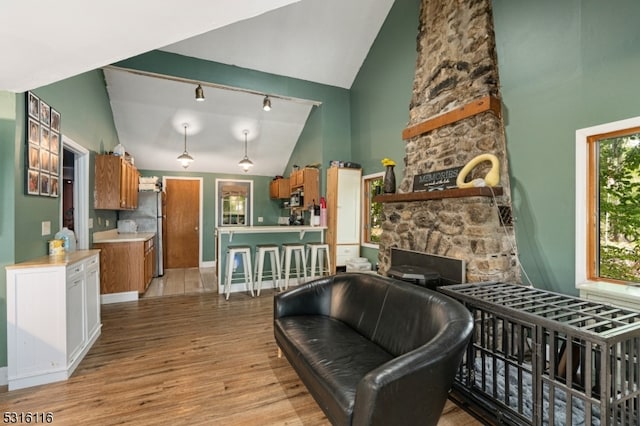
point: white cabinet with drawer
(53, 316)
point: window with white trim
(371, 210)
(608, 203)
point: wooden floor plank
(184, 360)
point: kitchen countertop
(112, 236)
(274, 229)
(55, 260)
(268, 228)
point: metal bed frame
(539, 357)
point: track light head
(266, 104)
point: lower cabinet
(53, 316)
(126, 266)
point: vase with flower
(389, 180)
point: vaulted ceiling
(319, 41)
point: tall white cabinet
(343, 214)
(53, 316)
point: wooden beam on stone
(487, 103)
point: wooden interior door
(182, 223)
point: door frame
(200, 190)
(80, 191)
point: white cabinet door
(348, 214)
(92, 296)
(75, 316)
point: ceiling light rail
(267, 96)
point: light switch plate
(260, 219)
(90, 223)
(46, 227)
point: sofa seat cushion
(331, 358)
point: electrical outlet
(260, 219)
(46, 228)
(90, 223)
(106, 223)
(99, 221)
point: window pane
(373, 211)
(619, 208)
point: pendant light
(245, 163)
(266, 104)
(199, 93)
(185, 159)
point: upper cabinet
(306, 182)
(280, 188)
(116, 185)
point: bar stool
(274, 257)
(297, 249)
(245, 256)
(319, 251)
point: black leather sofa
(373, 350)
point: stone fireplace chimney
(454, 115)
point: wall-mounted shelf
(483, 191)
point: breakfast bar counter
(253, 235)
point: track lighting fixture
(185, 159)
(266, 104)
(245, 163)
(199, 93)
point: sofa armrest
(413, 388)
(312, 298)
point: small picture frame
(44, 184)
(54, 188)
(55, 120)
(33, 130)
(53, 164)
(45, 113)
(54, 143)
(33, 182)
(33, 106)
(44, 160)
(44, 138)
(34, 157)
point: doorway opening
(74, 208)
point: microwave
(296, 200)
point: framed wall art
(42, 147)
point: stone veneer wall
(456, 65)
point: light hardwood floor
(186, 359)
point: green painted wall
(8, 175)
(381, 94)
(563, 66)
(86, 117)
(263, 206)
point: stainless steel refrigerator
(150, 217)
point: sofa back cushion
(357, 299)
(396, 315)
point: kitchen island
(253, 235)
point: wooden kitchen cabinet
(116, 186)
(343, 214)
(280, 189)
(306, 180)
(53, 316)
(126, 266)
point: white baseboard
(4, 376)
(125, 296)
(208, 264)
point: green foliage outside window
(619, 208)
(375, 211)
